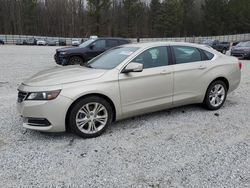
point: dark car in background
(87, 50)
(21, 42)
(222, 47)
(51, 42)
(1, 42)
(241, 50)
(62, 42)
(31, 41)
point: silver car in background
(126, 81)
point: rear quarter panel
(226, 67)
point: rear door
(110, 43)
(189, 73)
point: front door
(151, 89)
(97, 48)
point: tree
(171, 18)
(29, 16)
(155, 14)
(134, 12)
(97, 10)
(215, 17)
(239, 16)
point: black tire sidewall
(71, 62)
(207, 103)
(79, 104)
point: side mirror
(133, 67)
(91, 46)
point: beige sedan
(126, 81)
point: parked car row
(241, 50)
(41, 42)
(222, 47)
(87, 50)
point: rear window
(186, 54)
(208, 54)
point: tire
(215, 96)
(76, 60)
(224, 51)
(88, 123)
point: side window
(111, 43)
(216, 42)
(154, 57)
(186, 54)
(121, 42)
(100, 45)
(208, 54)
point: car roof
(115, 38)
(168, 43)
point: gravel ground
(182, 147)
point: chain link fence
(12, 39)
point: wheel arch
(88, 95)
(223, 79)
(77, 55)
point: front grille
(21, 96)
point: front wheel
(224, 51)
(75, 60)
(216, 95)
(90, 117)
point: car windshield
(86, 43)
(243, 44)
(111, 58)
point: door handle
(166, 72)
(202, 67)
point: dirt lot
(182, 147)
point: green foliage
(29, 14)
(97, 9)
(215, 16)
(124, 18)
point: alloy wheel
(91, 118)
(217, 95)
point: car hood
(69, 49)
(63, 75)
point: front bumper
(61, 60)
(50, 115)
(241, 54)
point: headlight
(45, 95)
(246, 50)
(63, 53)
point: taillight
(240, 65)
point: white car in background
(76, 42)
(41, 42)
(93, 37)
(126, 81)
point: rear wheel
(216, 95)
(75, 60)
(90, 117)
